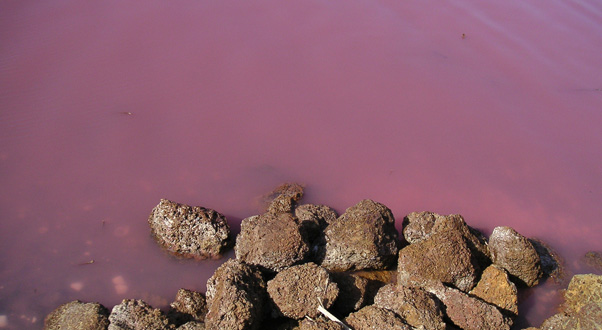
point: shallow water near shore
(490, 110)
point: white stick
(326, 313)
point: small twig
(326, 313)
(86, 263)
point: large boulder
(137, 315)
(417, 307)
(190, 231)
(236, 295)
(77, 315)
(513, 252)
(372, 317)
(299, 290)
(442, 257)
(364, 237)
(496, 288)
(188, 306)
(469, 313)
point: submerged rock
(188, 306)
(364, 237)
(190, 231)
(593, 259)
(513, 252)
(284, 198)
(496, 288)
(137, 315)
(372, 317)
(77, 315)
(236, 295)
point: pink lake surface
(490, 109)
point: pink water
(490, 109)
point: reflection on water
(490, 110)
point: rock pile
(297, 265)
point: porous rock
(190, 231)
(443, 257)
(364, 237)
(372, 317)
(284, 198)
(188, 306)
(272, 241)
(77, 315)
(314, 219)
(137, 315)
(417, 307)
(192, 325)
(319, 324)
(353, 293)
(298, 291)
(552, 264)
(470, 313)
(583, 301)
(496, 288)
(513, 252)
(236, 295)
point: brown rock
(416, 306)
(315, 218)
(188, 306)
(593, 259)
(192, 325)
(364, 237)
(190, 231)
(443, 257)
(137, 315)
(319, 324)
(513, 252)
(470, 313)
(284, 198)
(297, 291)
(552, 264)
(353, 293)
(496, 288)
(77, 315)
(372, 317)
(236, 295)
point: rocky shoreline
(304, 267)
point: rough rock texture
(552, 264)
(77, 315)
(319, 324)
(314, 219)
(416, 306)
(496, 288)
(235, 297)
(137, 315)
(192, 325)
(470, 313)
(372, 317)
(190, 231)
(353, 293)
(284, 198)
(593, 259)
(271, 241)
(298, 290)
(443, 257)
(188, 306)
(513, 252)
(364, 237)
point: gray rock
(190, 231)
(364, 237)
(137, 315)
(77, 315)
(236, 296)
(496, 288)
(416, 306)
(372, 317)
(297, 291)
(353, 293)
(188, 306)
(443, 257)
(513, 252)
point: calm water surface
(487, 109)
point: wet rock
(236, 295)
(319, 324)
(593, 259)
(271, 241)
(496, 288)
(188, 306)
(77, 315)
(372, 317)
(364, 237)
(298, 290)
(314, 219)
(284, 198)
(190, 231)
(137, 315)
(192, 325)
(470, 313)
(416, 306)
(353, 293)
(552, 264)
(443, 257)
(513, 252)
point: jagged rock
(190, 231)
(513, 252)
(271, 241)
(353, 293)
(77, 315)
(284, 198)
(314, 219)
(137, 315)
(372, 317)
(188, 306)
(470, 313)
(443, 257)
(496, 288)
(364, 237)
(593, 259)
(192, 325)
(416, 306)
(235, 297)
(297, 291)
(552, 264)
(319, 324)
